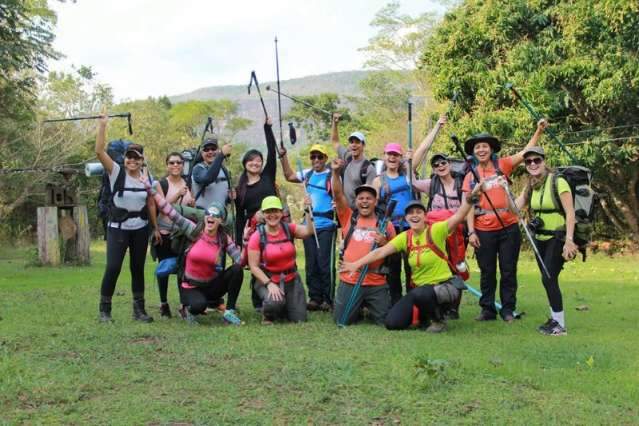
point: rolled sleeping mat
(93, 168)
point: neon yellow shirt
(552, 221)
(426, 266)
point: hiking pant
(394, 276)
(319, 268)
(374, 297)
(118, 241)
(423, 297)
(292, 307)
(229, 281)
(504, 245)
(552, 252)
(163, 251)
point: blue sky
(160, 47)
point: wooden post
(48, 243)
(83, 236)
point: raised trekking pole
(259, 92)
(538, 117)
(279, 99)
(300, 101)
(126, 115)
(531, 240)
(410, 148)
(498, 306)
(300, 170)
(469, 161)
(364, 271)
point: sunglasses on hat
(214, 212)
(536, 160)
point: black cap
(438, 155)
(209, 141)
(137, 148)
(491, 140)
(369, 188)
(414, 203)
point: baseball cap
(393, 147)
(319, 148)
(357, 135)
(369, 188)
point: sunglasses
(132, 156)
(214, 212)
(175, 163)
(209, 149)
(536, 160)
(316, 157)
(440, 163)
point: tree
(577, 62)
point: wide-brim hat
(491, 140)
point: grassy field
(59, 365)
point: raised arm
(205, 176)
(334, 131)
(271, 146)
(519, 157)
(421, 152)
(100, 143)
(468, 200)
(341, 202)
(288, 171)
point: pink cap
(393, 147)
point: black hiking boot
(105, 309)
(165, 310)
(139, 313)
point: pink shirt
(202, 259)
(423, 185)
(278, 256)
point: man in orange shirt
(360, 232)
(495, 233)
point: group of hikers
(208, 231)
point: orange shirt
(488, 221)
(360, 244)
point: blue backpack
(116, 150)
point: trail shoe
(105, 309)
(486, 316)
(552, 328)
(313, 305)
(230, 317)
(165, 310)
(436, 327)
(509, 318)
(326, 307)
(452, 314)
(139, 312)
(187, 316)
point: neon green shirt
(552, 221)
(426, 266)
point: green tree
(577, 62)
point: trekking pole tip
(268, 87)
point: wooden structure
(63, 226)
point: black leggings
(163, 251)
(423, 297)
(230, 281)
(551, 251)
(118, 240)
(394, 277)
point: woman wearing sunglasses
(174, 189)
(205, 278)
(130, 211)
(553, 222)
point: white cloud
(154, 47)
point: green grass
(58, 365)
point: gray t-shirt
(352, 178)
(217, 190)
(133, 201)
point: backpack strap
(363, 171)
(164, 184)
(384, 188)
(431, 245)
(349, 234)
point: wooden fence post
(83, 236)
(48, 240)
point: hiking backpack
(458, 170)
(347, 238)
(363, 170)
(116, 150)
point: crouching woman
(434, 287)
(271, 257)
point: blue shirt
(320, 197)
(400, 191)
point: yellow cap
(319, 148)
(271, 202)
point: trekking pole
(538, 117)
(126, 115)
(279, 99)
(531, 240)
(364, 271)
(301, 172)
(449, 110)
(208, 127)
(498, 306)
(259, 92)
(299, 101)
(410, 148)
(469, 161)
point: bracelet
(570, 239)
(470, 233)
(472, 199)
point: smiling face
(441, 167)
(356, 146)
(416, 218)
(365, 203)
(211, 224)
(535, 165)
(392, 160)
(174, 165)
(482, 151)
(208, 153)
(273, 217)
(254, 165)
(133, 162)
(318, 161)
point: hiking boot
(452, 314)
(486, 316)
(326, 307)
(139, 312)
(105, 309)
(436, 327)
(313, 306)
(552, 328)
(230, 317)
(509, 318)
(266, 321)
(165, 310)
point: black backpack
(458, 170)
(363, 170)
